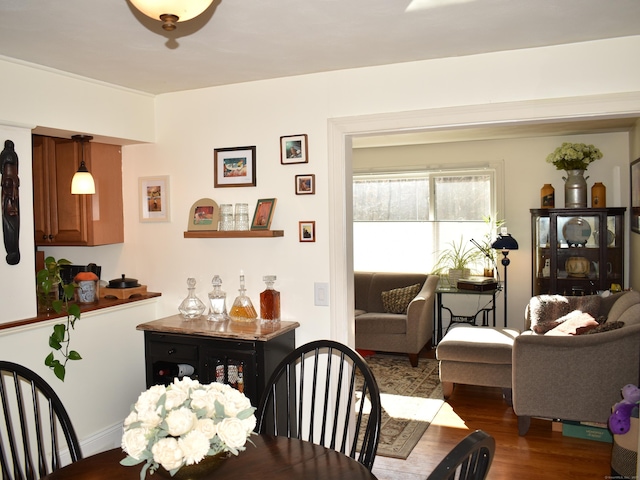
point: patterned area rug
(411, 398)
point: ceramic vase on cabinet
(575, 189)
(598, 195)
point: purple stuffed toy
(620, 419)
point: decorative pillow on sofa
(547, 308)
(606, 327)
(398, 299)
(576, 323)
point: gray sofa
(576, 377)
(405, 332)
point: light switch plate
(321, 294)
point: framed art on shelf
(234, 167)
(204, 215)
(305, 184)
(293, 149)
(154, 198)
(263, 214)
(635, 196)
(307, 231)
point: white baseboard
(110, 437)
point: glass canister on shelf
(191, 307)
(242, 216)
(226, 217)
(217, 301)
(547, 196)
(242, 310)
(269, 302)
(598, 195)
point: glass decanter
(191, 307)
(269, 302)
(242, 310)
(217, 302)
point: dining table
(266, 457)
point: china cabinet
(61, 218)
(577, 251)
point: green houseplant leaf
(48, 281)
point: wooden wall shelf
(234, 234)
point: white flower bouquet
(183, 423)
(574, 156)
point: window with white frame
(402, 221)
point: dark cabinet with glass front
(577, 251)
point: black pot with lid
(123, 282)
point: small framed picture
(293, 149)
(154, 199)
(635, 196)
(263, 214)
(234, 167)
(307, 231)
(305, 184)
(204, 215)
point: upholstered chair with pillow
(575, 356)
(394, 311)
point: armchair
(577, 377)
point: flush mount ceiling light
(169, 12)
(82, 182)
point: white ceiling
(243, 40)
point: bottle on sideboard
(269, 302)
(242, 310)
(173, 370)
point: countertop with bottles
(227, 329)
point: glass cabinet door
(577, 251)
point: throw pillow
(577, 323)
(606, 327)
(398, 299)
(547, 308)
(588, 304)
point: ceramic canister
(598, 195)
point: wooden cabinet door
(61, 218)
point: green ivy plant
(48, 279)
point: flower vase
(575, 189)
(198, 470)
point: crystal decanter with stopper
(217, 302)
(242, 310)
(191, 307)
(270, 302)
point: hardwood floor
(541, 454)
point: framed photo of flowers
(154, 199)
(305, 184)
(307, 231)
(635, 196)
(293, 149)
(234, 167)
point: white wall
(187, 126)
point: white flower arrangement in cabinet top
(184, 422)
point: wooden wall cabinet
(61, 218)
(577, 251)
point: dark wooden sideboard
(242, 355)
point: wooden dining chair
(468, 460)
(324, 392)
(32, 416)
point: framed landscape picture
(234, 167)
(307, 231)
